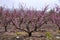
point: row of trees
(32, 20)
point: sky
(36, 4)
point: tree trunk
(5, 28)
(30, 34)
(59, 28)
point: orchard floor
(11, 35)
(4, 36)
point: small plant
(49, 35)
(18, 33)
(19, 36)
(21, 33)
